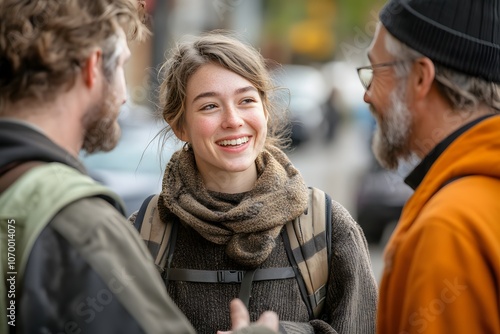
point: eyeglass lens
(366, 76)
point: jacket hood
(475, 152)
(19, 142)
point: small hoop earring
(186, 147)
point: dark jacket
(87, 270)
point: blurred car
(380, 200)
(133, 169)
(306, 91)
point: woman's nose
(232, 117)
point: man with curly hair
(70, 263)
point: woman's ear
(424, 76)
(180, 133)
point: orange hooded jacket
(442, 263)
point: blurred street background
(318, 44)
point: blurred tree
(355, 26)
(279, 16)
(312, 30)
(314, 36)
(299, 30)
(356, 13)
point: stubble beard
(391, 140)
(100, 121)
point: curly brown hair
(225, 49)
(43, 43)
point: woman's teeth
(234, 142)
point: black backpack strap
(328, 226)
(246, 287)
(246, 278)
(142, 211)
(228, 276)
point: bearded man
(70, 262)
(433, 88)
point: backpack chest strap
(227, 276)
(246, 278)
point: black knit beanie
(460, 34)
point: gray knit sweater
(352, 294)
(223, 231)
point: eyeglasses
(365, 73)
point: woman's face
(225, 123)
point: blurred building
(309, 32)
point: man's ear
(424, 76)
(91, 69)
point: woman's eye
(248, 100)
(209, 107)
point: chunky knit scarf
(246, 223)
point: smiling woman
(225, 124)
(234, 190)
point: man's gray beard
(100, 122)
(391, 140)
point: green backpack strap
(308, 244)
(27, 206)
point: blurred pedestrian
(233, 190)
(70, 262)
(332, 114)
(433, 87)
